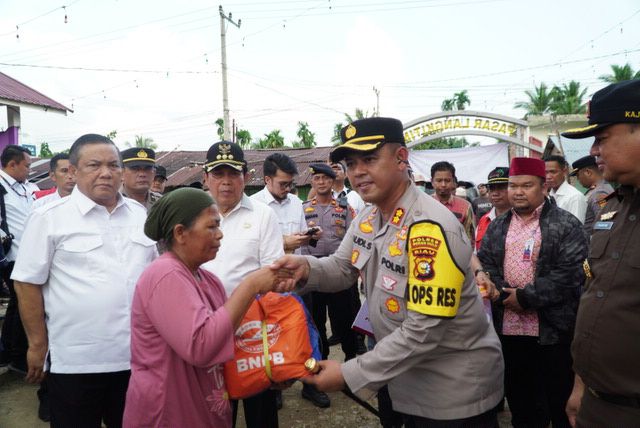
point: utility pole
(377, 92)
(225, 94)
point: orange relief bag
(275, 338)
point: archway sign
(468, 122)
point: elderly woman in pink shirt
(182, 323)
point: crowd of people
(124, 299)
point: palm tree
(620, 74)
(143, 142)
(243, 138)
(307, 139)
(272, 140)
(448, 104)
(568, 99)
(539, 100)
(461, 99)
(220, 130)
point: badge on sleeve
(435, 280)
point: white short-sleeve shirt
(251, 240)
(288, 212)
(88, 262)
(18, 201)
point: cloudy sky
(152, 68)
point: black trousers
(538, 380)
(14, 339)
(87, 400)
(390, 418)
(260, 411)
(341, 304)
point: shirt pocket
(391, 292)
(83, 252)
(142, 250)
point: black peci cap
(583, 163)
(366, 135)
(138, 156)
(617, 103)
(322, 168)
(225, 153)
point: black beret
(617, 103)
(138, 156)
(583, 163)
(322, 168)
(161, 172)
(366, 135)
(225, 153)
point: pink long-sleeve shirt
(180, 336)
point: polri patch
(435, 280)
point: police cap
(161, 172)
(367, 135)
(499, 175)
(138, 156)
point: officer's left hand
(511, 302)
(329, 379)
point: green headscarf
(180, 206)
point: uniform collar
(8, 178)
(399, 214)
(270, 199)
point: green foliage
(565, 99)
(220, 128)
(307, 139)
(272, 140)
(359, 114)
(539, 100)
(459, 101)
(143, 142)
(445, 143)
(112, 135)
(243, 138)
(620, 74)
(45, 152)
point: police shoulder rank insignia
(309, 209)
(435, 280)
(354, 256)
(587, 269)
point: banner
(472, 163)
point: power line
(112, 70)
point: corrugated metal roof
(14, 91)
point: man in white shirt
(341, 190)
(18, 199)
(75, 275)
(252, 239)
(565, 195)
(279, 170)
(60, 174)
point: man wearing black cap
(586, 171)
(139, 167)
(252, 240)
(606, 349)
(435, 350)
(160, 180)
(497, 183)
(334, 217)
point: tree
(243, 138)
(307, 139)
(459, 101)
(445, 143)
(143, 142)
(568, 99)
(539, 100)
(45, 152)
(220, 130)
(272, 140)
(620, 74)
(112, 135)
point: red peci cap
(527, 166)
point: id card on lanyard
(527, 252)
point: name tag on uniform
(603, 225)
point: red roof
(12, 91)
